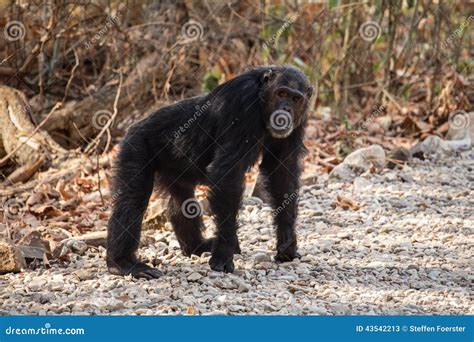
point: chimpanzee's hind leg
(185, 214)
(133, 185)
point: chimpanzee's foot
(222, 259)
(221, 265)
(136, 269)
(286, 256)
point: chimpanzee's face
(286, 93)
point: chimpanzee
(213, 140)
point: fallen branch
(11, 153)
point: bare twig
(391, 98)
(72, 75)
(96, 141)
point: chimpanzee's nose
(287, 108)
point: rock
(84, 274)
(405, 177)
(259, 258)
(340, 309)
(358, 162)
(316, 310)
(56, 285)
(399, 203)
(344, 236)
(311, 212)
(364, 158)
(310, 179)
(243, 287)
(434, 147)
(79, 247)
(168, 227)
(216, 313)
(11, 259)
(342, 172)
(195, 276)
(295, 288)
(413, 307)
(434, 274)
(361, 184)
(162, 248)
(254, 201)
(397, 157)
(44, 298)
(113, 304)
(391, 176)
(317, 209)
(31, 253)
(37, 284)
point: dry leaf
(61, 188)
(35, 198)
(47, 210)
(346, 203)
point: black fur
(213, 140)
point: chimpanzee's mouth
(280, 124)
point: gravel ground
(407, 250)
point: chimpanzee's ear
(310, 92)
(267, 76)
